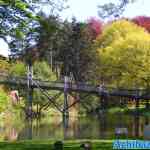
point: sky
(84, 9)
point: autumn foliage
(142, 21)
(95, 25)
(124, 53)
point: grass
(48, 145)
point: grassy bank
(129, 110)
(48, 145)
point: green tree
(4, 66)
(19, 21)
(18, 69)
(124, 51)
(41, 71)
(69, 44)
(4, 101)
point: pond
(89, 127)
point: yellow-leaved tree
(124, 51)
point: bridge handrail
(79, 85)
(40, 80)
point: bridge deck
(80, 87)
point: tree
(19, 21)
(124, 51)
(4, 65)
(18, 69)
(4, 101)
(142, 21)
(113, 10)
(95, 26)
(14, 20)
(41, 71)
(69, 44)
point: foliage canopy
(124, 51)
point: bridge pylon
(103, 97)
(66, 86)
(30, 89)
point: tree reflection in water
(12, 134)
(136, 124)
(88, 127)
(103, 125)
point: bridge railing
(80, 86)
(127, 92)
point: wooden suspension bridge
(76, 87)
(66, 87)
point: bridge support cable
(49, 98)
(45, 106)
(77, 101)
(80, 100)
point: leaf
(19, 34)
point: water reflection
(137, 125)
(146, 129)
(102, 125)
(91, 127)
(8, 133)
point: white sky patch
(83, 9)
(4, 50)
(139, 8)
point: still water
(89, 127)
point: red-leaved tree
(95, 25)
(142, 21)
